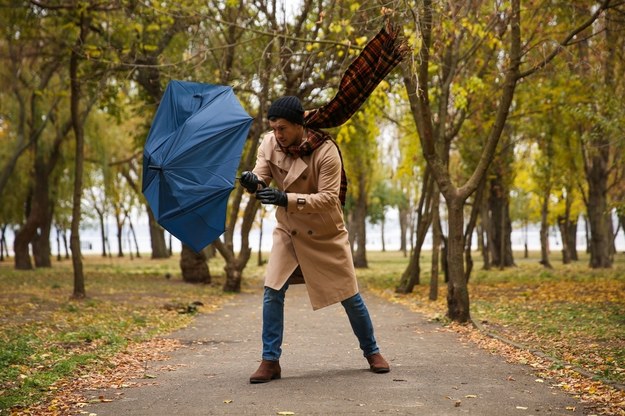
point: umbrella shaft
(155, 167)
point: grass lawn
(45, 337)
(571, 313)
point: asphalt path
(433, 372)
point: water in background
(92, 244)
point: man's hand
(272, 196)
(249, 181)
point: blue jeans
(273, 323)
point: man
(306, 167)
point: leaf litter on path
(124, 370)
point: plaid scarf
(363, 75)
(314, 139)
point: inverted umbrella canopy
(191, 157)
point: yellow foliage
(360, 41)
(153, 27)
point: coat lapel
(297, 167)
(293, 167)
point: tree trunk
(193, 266)
(486, 232)
(21, 246)
(119, 223)
(42, 251)
(65, 245)
(597, 160)
(3, 243)
(526, 253)
(563, 228)
(599, 216)
(260, 261)
(568, 231)
(79, 277)
(38, 201)
(134, 239)
(403, 230)
(501, 226)
(36, 230)
(621, 219)
(571, 236)
(359, 225)
(544, 230)
(457, 290)
(468, 233)
(411, 275)
(437, 238)
(235, 264)
(234, 274)
(157, 237)
(58, 243)
(102, 231)
(382, 223)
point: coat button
(293, 232)
(310, 232)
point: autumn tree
(358, 142)
(27, 74)
(456, 42)
(602, 149)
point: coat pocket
(323, 224)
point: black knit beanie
(288, 107)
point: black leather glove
(272, 196)
(249, 181)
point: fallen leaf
(285, 413)
(457, 404)
(471, 396)
(227, 401)
(521, 407)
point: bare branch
(568, 40)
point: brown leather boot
(267, 371)
(378, 364)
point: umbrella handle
(259, 182)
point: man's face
(287, 133)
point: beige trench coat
(310, 231)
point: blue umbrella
(191, 157)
